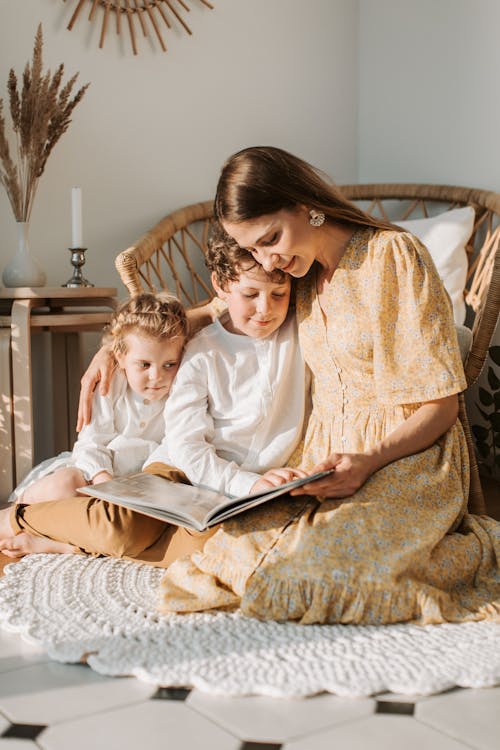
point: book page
(231, 506)
(184, 504)
(181, 503)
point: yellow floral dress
(403, 548)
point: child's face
(257, 305)
(150, 364)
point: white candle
(76, 217)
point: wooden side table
(65, 312)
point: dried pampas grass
(40, 113)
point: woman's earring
(317, 218)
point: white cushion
(445, 236)
(464, 337)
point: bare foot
(26, 544)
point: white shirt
(124, 430)
(236, 408)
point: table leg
(21, 386)
(74, 368)
(6, 457)
(66, 374)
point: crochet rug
(104, 611)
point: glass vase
(23, 269)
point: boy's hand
(275, 478)
(103, 476)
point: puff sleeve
(415, 350)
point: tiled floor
(53, 706)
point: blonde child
(146, 335)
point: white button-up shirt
(124, 430)
(236, 408)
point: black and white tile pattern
(45, 705)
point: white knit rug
(76, 606)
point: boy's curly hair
(157, 315)
(227, 260)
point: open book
(182, 504)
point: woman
(386, 537)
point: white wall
(153, 130)
(429, 109)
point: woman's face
(282, 240)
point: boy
(237, 406)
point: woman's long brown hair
(262, 180)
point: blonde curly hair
(159, 316)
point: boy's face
(257, 305)
(150, 365)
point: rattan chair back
(171, 256)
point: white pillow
(445, 237)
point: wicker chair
(170, 255)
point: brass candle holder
(77, 261)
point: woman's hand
(351, 470)
(425, 425)
(100, 370)
(202, 316)
(275, 478)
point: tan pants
(97, 527)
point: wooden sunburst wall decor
(146, 16)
